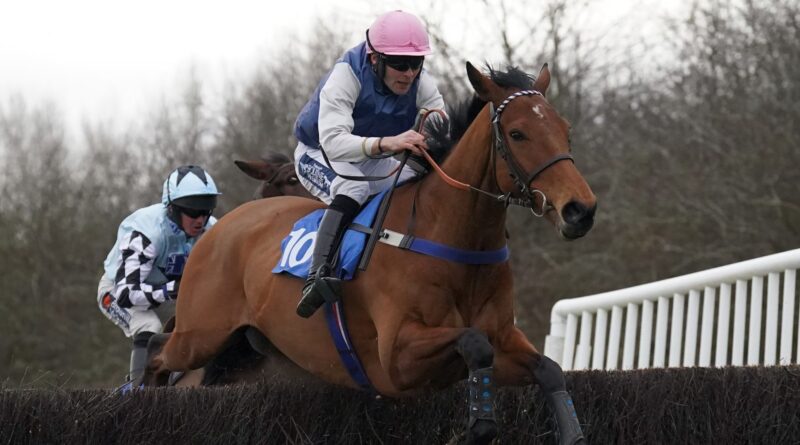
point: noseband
(516, 171)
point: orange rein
(506, 198)
(447, 179)
(444, 176)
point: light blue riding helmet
(191, 187)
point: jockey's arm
(337, 99)
(138, 260)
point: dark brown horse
(415, 321)
(277, 172)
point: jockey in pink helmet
(361, 114)
(399, 34)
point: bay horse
(244, 361)
(277, 172)
(415, 321)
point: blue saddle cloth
(297, 247)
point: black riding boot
(139, 356)
(320, 286)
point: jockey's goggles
(404, 63)
(195, 213)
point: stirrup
(330, 288)
(311, 300)
(315, 293)
(128, 388)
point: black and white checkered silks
(133, 298)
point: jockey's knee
(346, 205)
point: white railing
(684, 307)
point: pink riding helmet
(398, 33)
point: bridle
(515, 170)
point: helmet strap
(379, 67)
(174, 215)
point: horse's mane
(462, 113)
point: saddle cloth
(297, 247)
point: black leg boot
(139, 356)
(320, 286)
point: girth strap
(438, 250)
(334, 315)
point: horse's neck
(467, 219)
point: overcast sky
(102, 58)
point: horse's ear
(256, 169)
(543, 81)
(479, 82)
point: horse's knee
(474, 347)
(551, 380)
(548, 374)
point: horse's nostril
(577, 213)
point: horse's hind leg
(237, 355)
(474, 347)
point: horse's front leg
(518, 363)
(424, 351)
(474, 347)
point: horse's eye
(292, 180)
(516, 135)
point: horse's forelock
(512, 78)
(464, 112)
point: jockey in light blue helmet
(189, 190)
(144, 268)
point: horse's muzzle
(577, 219)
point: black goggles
(195, 213)
(404, 63)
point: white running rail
(696, 317)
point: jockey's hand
(172, 289)
(410, 140)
